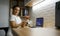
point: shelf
(24, 11)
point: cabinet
(24, 11)
(26, 1)
(57, 15)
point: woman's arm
(13, 24)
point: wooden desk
(21, 31)
(37, 32)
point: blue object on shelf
(39, 22)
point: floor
(2, 33)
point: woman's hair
(15, 6)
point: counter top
(37, 32)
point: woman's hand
(23, 24)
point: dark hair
(15, 6)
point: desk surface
(37, 32)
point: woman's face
(16, 11)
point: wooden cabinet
(24, 11)
(26, 1)
(16, 2)
(57, 15)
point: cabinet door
(24, 12)
(57, 21)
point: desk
(37, 32)
(22, 32)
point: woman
(15, 20)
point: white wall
(4, 13)
(45, 9)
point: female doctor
(15, 20)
